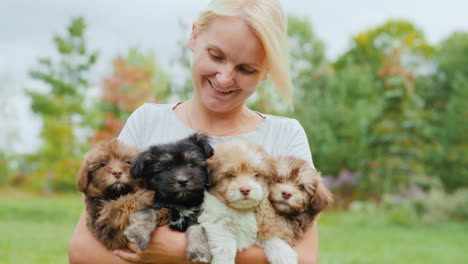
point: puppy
(111, 195)
(298, 195)
(177, 173)
(240, 172)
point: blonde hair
(267, 19)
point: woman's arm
(307, 250)
(167, 246)
(85, 248)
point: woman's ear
(193, 36)
(265, 75)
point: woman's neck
(236, 121)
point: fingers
(128, 255)
(133, 248)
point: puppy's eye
(102, 164)
(301, 186)
(192, 165)
(279, 180)
(168, 167)
(230, 176)
(256, 175)
(128, 162)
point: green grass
(357, 238)
(36, 229)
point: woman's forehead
(233, 37)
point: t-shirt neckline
(257, 129)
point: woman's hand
(165, 246)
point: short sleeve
(298, 144)
(131, 133)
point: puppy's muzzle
(244, 191)
(182, 181)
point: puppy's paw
(198, 256)
(279, 252)
(141, 225)
(198, 249)
(140, 241)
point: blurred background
(381, 88)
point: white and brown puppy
(111, 194)
(240, 173)
(298, 196)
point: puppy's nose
(286, 195)
(182, 182)
(117, 174)
(244, 191)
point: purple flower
(398, 199)
(414, 191)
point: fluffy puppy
(177, 173)
(298, 195)
(240, 172)
(111, 195)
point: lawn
(36, 229)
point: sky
(27, 28)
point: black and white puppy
(177, 173)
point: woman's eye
(215, 56)
(247, 70)
(279, 180)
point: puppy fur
(111, 194)
(177, 173)
(298, 195)
(240, 173)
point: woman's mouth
(220, 91)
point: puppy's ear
(321, 199)
(138, 167)
(202, 141)
(83, 176)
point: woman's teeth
(219, 90)
(223, 91)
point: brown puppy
(240, 173)
(298, 195)
(111, 194)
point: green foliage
(5, 170)
(373, 46)
(336, 116)
(62, 106)
(447, 94)
(397, 136)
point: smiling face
(228, 64)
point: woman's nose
(225, 77)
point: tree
(136, 79)
(62, 106)
(398, 135)
(446, 93)
(373, 46)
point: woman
(236, 44)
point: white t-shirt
(153, 124)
